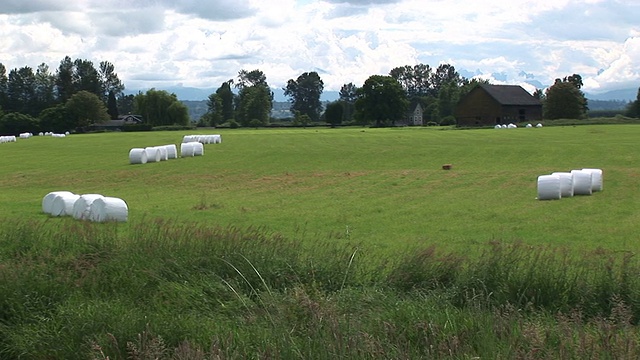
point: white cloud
(202, 43)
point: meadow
(324, 243)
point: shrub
(448, 120)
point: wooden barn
(489, 105)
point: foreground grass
(169, 290)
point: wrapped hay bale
(187, 149)
(172, 151)
(109, 209)
(498, 126)
(47, 200)
(566, 183)
(198, 149)
(153, 154)
(164, 156)
(539, 125)
(549, 187)
(82, 207)
(217, 139)
(581, 182)
(596, 179)
(188, 138)
(137, 156)
(512, 126)
(529, 126)
(63, 204)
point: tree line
(79, 94)
(74, 96)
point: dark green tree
(633, 109)
(348, 96)
(304, 94)
(112, 106)
(45, 83)
(125, 103)
(86, 78)
(448, 98)
(565, 100)
(109, 81)
(444, 74)
(21, 91)
(381, 101)
(3, 86)
(334, 113)
(214, 110)
(14, 123)
(85, 108)
(415, 80)
(158, 107)
(55, 119)
(255, 98)
(65, 85)
(220, 104)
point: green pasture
(383, 188)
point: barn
(489, 105)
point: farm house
(489, 105)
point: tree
(443, 75)
(15, 123)
(64, 79)
(415, 80)
(109, 81)
(21, 95)
(334, 112)
(448, 98)
(86, 77)
(112, 106)
(55, 119)
(565, 100)
(84, 108)
(255, 99)
(125, 103)
(633, 109)
(220, 104)
(348, 96)
(382, 100)
(159, 107)
(45, 85)
(304, 94)
(3, 86)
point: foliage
(304, 94)
(173, 127)
(334, 112)
(55, 119)
(112, 106)
(158, 108)
(255, 99)
(136, 127)
(348, 96)
(448, 120)
(382, 101)
(15, 123)
(220, 104)
(633, 109)
(85, 108)
(565, 100)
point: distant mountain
(621, 94)
(198, 94)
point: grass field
(381, 187)
(322, 244)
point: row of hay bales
(6, 139)
(27, 135)
(164, 152)
(92, 207)
(204, 139)
(557, 185)
(513, 126)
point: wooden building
(489, 105)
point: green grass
(385, 186)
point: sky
(202, 43)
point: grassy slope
(385, 186)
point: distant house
(115, 125)
(413, 116)
(489, 105)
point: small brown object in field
(446, 167)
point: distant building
(414, 116)
(115, 125)
(489, 105)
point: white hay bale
(529, 126)
(566, 183)
(188, 138)
(82, 207)
(512, 126)
(596, 179)
(109, 209)
(198, 149)
(164, 155)
(217, 139)
(41, 134)
(67, 133)
(498, 126)
(137, 156)
(549, 187)
(63, 204)
(153, 154)
(187, 149)
(172, 151)
(581, 182)
(47, 200)
(539, 125)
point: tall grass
(172, 290)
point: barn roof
(510, 94)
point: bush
(173, 127)
(448, 120)
(137, 127)
(432, 123)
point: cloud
(33, 6)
